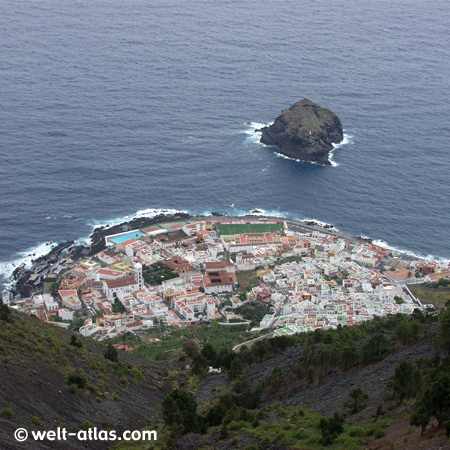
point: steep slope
(50, 379)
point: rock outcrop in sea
(305, 131)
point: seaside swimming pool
(122, 237)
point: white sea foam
(25, 258)
(384, 244)
(347, 139)
(280, 155)
(320, 223)
(149, 212)
(253, 133)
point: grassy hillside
(49, 379)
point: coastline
(75, 249)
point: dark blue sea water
(108, 107)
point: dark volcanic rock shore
(29, 280)
(305, 131)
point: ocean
(112, 107)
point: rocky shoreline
(46, 269)
(305, 131)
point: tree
(117, 306)
(180, 412)
(75, 342)
(375, 348)
(210, 354)
(111, 353)
(199, 365)
(331, 428)
(191, 348)
(435, 401)
(357, 401)
(406, 381)
(408, 331)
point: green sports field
(244, 228)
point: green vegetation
(437, 294)
(5, 314)
(247, 228)
(406, 382)
(75, 341)
(331, 428)
(158, 345)
(237, 421)
(77, 379)
(434, 400)
(117, 306)
(344, 347)
(180, 412)
(76, 362)
(111, 353)
(441, 283)
(247, 280)
(7, 412)
(253, 311)
(157, 273)
(36, 420)
(357, 401)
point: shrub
(5, 313)
(331, 428)
(77, 379)
(357, 401)
(7, 411)
(36, 420)
(406, 381)
(75, 342)
(180, 412)
(111, 353)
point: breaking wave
(347, 139)
(24, 258)
(254, 137)
(27, 256)
(410, 253)
(253, 133)
(149, 212)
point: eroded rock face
(305, 131)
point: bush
(77, 379)
(7, 411)
(180, 412)
(406, 382)
(357, 401)
(5, 313)
(36, 420)
(75, 342)
(111, 353)
(331, 428)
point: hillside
(49, 378)
(349, 388)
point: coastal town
(201, 269)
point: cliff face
(305, 131)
